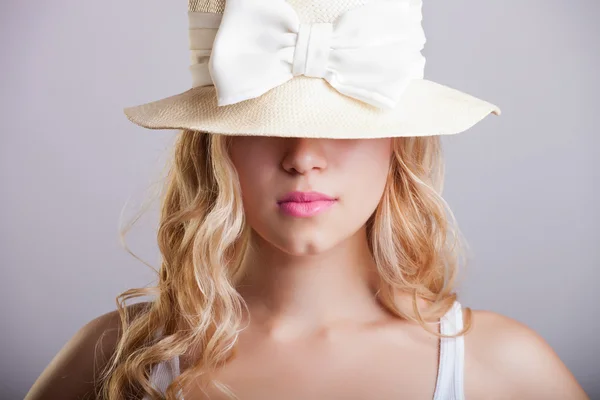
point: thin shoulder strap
(164, 372)
(450, 382)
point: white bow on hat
(370, 52)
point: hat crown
(309, 11)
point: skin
(316, 330)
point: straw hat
(311, 68)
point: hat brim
(310, 107)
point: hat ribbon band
(370, 52)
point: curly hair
(203, 237)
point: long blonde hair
(203, 236)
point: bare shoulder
(510, 359)
(72, 371)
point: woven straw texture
(309, 107)
(309, 11)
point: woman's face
(352, 172)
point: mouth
(305, 197)
(305, 204)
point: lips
(305, 197)
(305, 204)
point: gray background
(523, 186)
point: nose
(303, 155)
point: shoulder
(513, 360)
(71, 373)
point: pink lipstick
(305, 204)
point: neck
(289, 295)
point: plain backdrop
(523, 186)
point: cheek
(253, 176)
(251, 160)
(367, 176)
(256, 171)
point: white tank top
(450, 379)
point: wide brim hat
(300, 92)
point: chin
(306, 246)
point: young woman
(307, 251)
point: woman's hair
(203, 236)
